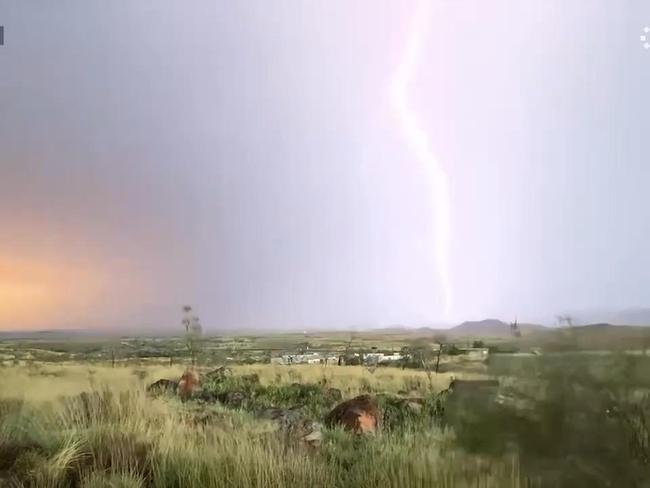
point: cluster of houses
(469, 354)
(380, 357)
(336, 359)
(307, 358)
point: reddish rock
(188, 384)
(360, 415)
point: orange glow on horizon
(35, 294)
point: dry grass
(43, 383)
(351, 380)
(117, 436)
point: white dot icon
(645, 40)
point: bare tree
(303, 347)
(514, 328)
(439, 339)
(423, 353)
(371, 362)
(193, 332)
(372, 366)
(564, 319)
(195, 327)
(348, 352)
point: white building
(380, 357)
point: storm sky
(244, 158)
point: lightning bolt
(418, 141)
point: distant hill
(626, 316)
(595, 336)
(491, 328)
(601, 336)
(53, 334)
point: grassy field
(566, 419)
(124, 438)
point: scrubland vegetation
(552, 420)
(117, 436)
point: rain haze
(247, 158)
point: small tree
(441, 340)
(564, 320)
(514, 328)
(423, 353)
(371, 363)
(407, 356)
(193, 332)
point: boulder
(295, 425)
(359, 415)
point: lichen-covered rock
(295, 425)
